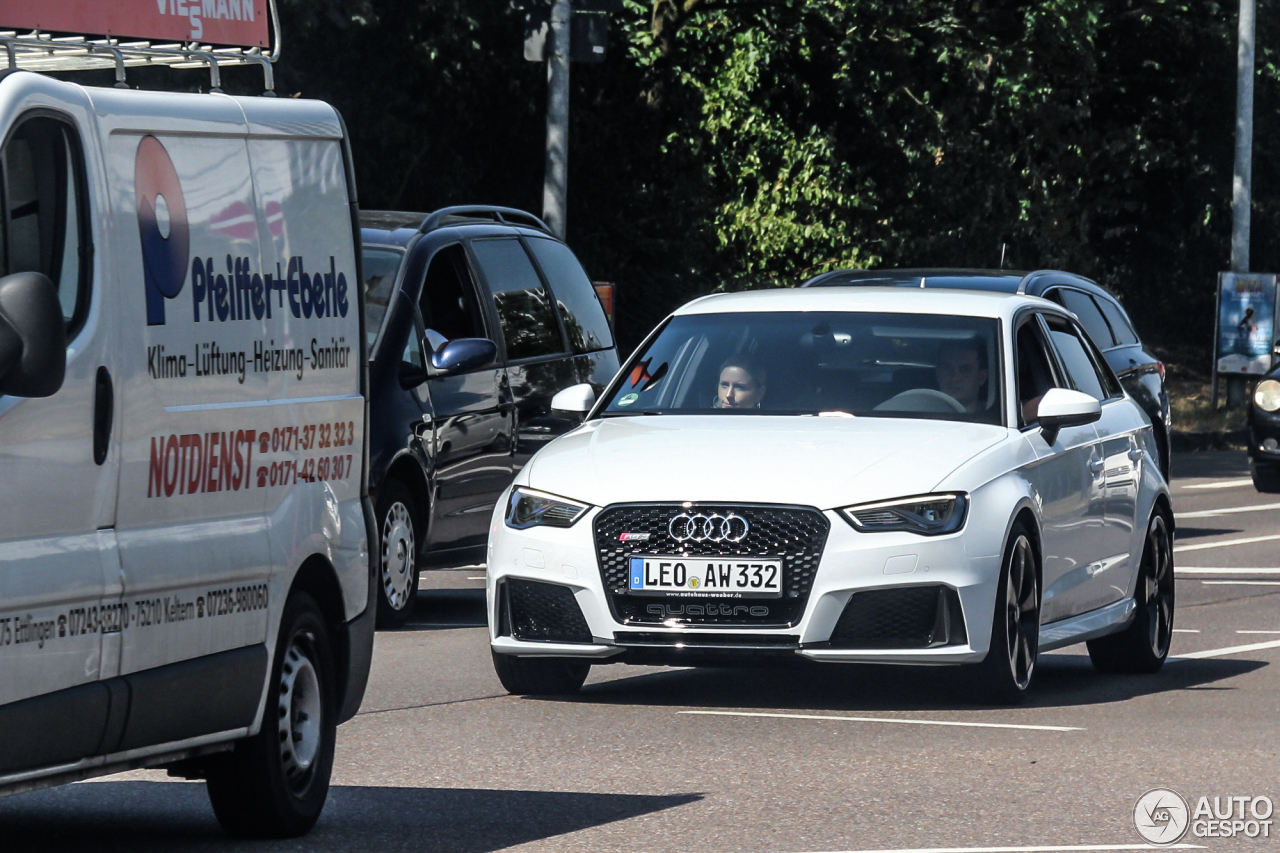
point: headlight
(528, 508)
(1267, 395)
(929, 515)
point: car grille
(915, 617)
(796, 535)
(544, 612)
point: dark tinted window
(1082, 373)
(524, 309)
(448, 303)
(1082, 305)
(1125, 335)
(1035, 376)
(380, 267)
(584, 321)
(43, 221)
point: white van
(184, 524)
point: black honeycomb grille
(546, 612)
(797, 535)
(905, 618)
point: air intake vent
(916, 617)
(543, 612)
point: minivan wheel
(397, 515)
(540, 676)
(1266, 476)
(274, 785)
(1005, 676)
(1144, 645)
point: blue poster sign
(1246, 322)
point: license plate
(748, 578)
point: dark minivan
(1140, 372)
(477, 316)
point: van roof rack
(506, 215)
(38, 51)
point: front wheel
(1005, 676)
(274, 784)
(1266, 476)
(540, 676)
(398, 527)
(1144, 645)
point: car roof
(958, 278)
(874, 298)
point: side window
(1035, 375)
(1076, 360)
(585, 323)
(1082, 305)
(45, 225)
(1125, 335)
(380, 267)
(448, 302)
(524, 308)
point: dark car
(1141, 373)
(477, 316)
(1264, 433)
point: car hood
(823, 462)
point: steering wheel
(921, 400)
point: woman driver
(742, 384)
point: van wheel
(274, 785)
(1005, 676)
(397, 515)
(1144, 645)
(1266, 476)
(540, 676)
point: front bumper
(897, 567)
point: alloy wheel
(1022, 612)
(1157, 577)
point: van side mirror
(574, 402)
(1062, 407)
(33, 336)
(463, 354)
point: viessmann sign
(231, 22)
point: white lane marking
(1074, 848)
(1222, 484)
(1229, 650)
(1240, 583)
(884, 720)
(482, 577)
(1202, 570)
(1249, 540)
(1188, 631)
(1258, 632)
(1227, 510)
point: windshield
(380, 266)
(818, 363)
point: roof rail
(37, 51)
(506, 215)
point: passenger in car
(962, 372)
(742, 384)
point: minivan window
(1125, 335)
(380, 268)
(1082, 305)
(585, 322)
(524, 308)
(448, 304)
(43, 211)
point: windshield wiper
(629, 413)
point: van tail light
(1160, 369)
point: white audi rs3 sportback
(844, 475)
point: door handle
(1096, 465)
(103, 410)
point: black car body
(1264, 433)
(1106, 322)
(452, 416)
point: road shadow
(437, 609)
(1196, 532)
(163, 816)
(1210, 463)
(1064, 680)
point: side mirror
(464, 354)
(1061, 407)
(33, 336)
(574, 401)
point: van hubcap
(299, 714)
(398, 552)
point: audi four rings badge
(701, 527)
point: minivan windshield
(818, 363)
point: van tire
(540, 676)
(274, 785)
(399, 537)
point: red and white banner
(231, 22)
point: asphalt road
(806, 758)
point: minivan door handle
(103, 408)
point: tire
(274, 785)
(540, 676)
(399, 533)
(1143, 646)
(1006, 675)
(1266, 476)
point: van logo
(162, 224)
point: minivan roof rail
(507, 215)
(37, 51)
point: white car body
(1089, 494)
